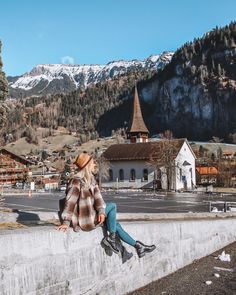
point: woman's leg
(110, 240)
(124, 236)
(111, 217)
(113, 226)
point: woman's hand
(101, 218)
(63, 227)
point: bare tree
(167, 134)
(2, 199)
(163, 156)
(226, 169)
(216, 139)
(103, 169)
(119, 136)
(31, 135)
(232, 136)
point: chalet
(164, 164)
(13, 168)
(206, 175)
(51, 183)
(228, 155)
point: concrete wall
(40, 260)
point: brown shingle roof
(138, 125)
(141, 151)
(207, 170)
(19, 158)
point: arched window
(121, 175)
(191, 173)
(132, 175)
(145, 175)
(110, 175)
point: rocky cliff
(195, 94)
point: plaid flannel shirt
(83, 204)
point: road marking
(156, 208)
(223, 268)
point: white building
(164, 164)
(143, 165)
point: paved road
(127, 202)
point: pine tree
(3, 80)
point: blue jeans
(113, 226)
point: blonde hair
(86, 173)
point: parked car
(63, 188)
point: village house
(228, 155)
(51, 183)
(164, 164)
(13, 168)
(206, 175)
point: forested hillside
(3, 81)
(195, 94)
(79, 111)
(3, 92)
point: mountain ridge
(46, 79)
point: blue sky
(98, 31)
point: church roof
(138, 125)
(143, 151)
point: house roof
(228, 153)
(138, 125)
(19, 158)
(142, 151)
(49, 180)
(207, 170)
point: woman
(85, 208)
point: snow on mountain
(51, 78)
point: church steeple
(138, 131)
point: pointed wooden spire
(138, 124)
(138, 127)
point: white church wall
(139, 182)
(185, 154)
(180, 180)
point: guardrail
(226, 205)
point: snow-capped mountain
(56, 78)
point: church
(141, 163)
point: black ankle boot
(142, 249)
(110, 241)
(125, 254)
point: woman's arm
(62, 227)
(99, 203)
(72, 196)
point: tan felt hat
(82, 160)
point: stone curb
(39, 216)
